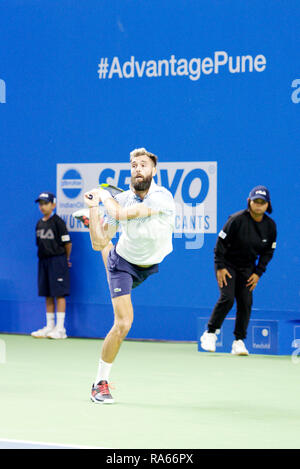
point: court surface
(168, 395)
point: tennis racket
(113, 190)
(84, 214)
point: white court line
(58, 445)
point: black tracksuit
(244, 247)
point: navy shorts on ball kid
(53, 276)
(123, 276)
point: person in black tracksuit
(54, 250)
(243, 250)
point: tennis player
(146, 214)
(243, 250)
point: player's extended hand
(92, 198)
(104, 194)
(221, 277)
(252, 281)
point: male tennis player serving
(146, 214)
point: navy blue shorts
(123, 276)
(53, 276)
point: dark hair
(141, 152)
(269, 209)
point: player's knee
(123, 327)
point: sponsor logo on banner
(71, 183)
(2, 92)
(192, 184)
(261, 337)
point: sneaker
(100, 393)
(238, 348)
(57, 334)
(84, 215)
(42, 333)
(208, 341)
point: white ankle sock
(103, 371)
(60, 320)
(50, 320)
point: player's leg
(104, 254)
(123, 312)
(122, 277)
(121, 282)
(223, 306)
(244, 300)
(104, 364)
(120, 285)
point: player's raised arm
(116, 211)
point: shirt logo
(117, 290)
(45, 235)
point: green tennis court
(168, 395)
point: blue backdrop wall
(57, 106)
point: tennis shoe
(208, 341)
(238, 348)
(42, 333)
(100, 393)
(84, 215)
(57, 334)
